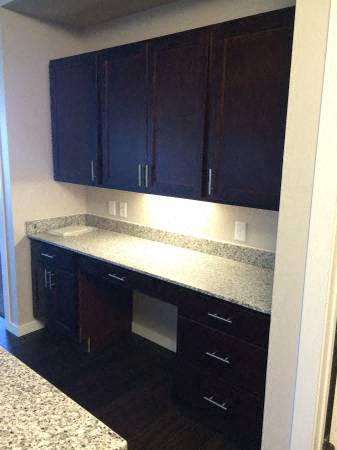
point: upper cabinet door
(178, 67)
(124, 116)
(74, 107)
(249, 79)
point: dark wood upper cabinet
(249, 77)
(74, 108)
(124, 77)
(199, 114)
(178, 68)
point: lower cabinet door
(62, 302)
(224, 406)
(40, 290)
(222, 356)
(105, 311)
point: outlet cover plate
(123, 209)
(240, 231)
(112, 207)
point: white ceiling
(79, 14)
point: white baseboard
(153, 336)
(25, 328)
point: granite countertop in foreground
(226, 279)
(36, 415)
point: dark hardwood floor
(127, 386)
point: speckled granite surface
(36, 415)
(241, 253)
(223, 278)
(40, 226)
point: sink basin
(72, 230)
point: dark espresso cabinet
(124, 107)
(105, 303)
(41, 291)
(54, 282)
(221, 347)
(76, 299)
(64, 308)
(178, 68)
(74, 110)
(249, 77)
(199, 114)
(222, 352)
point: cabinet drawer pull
(115, 277)
(92, 168)
(51, 283)
(225, 360)
(222, 406)
(45, 278)
(146, 176)
(47, 256)
(223, 319)
(139, 175)
(210, 176)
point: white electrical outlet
(123, 209)
(112, 207)
(240, 231)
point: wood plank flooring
(127, 386)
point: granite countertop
(36, 415)
(225, 279)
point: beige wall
(319, 296)
(306, 234)
(179, 16)
(27, 47)
(201, 219)
(184, 216)
(155, 320)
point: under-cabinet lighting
(180, 215)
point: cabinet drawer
(224, 316)
(225, 407)
(116, 275)
(54, 257)
(222, 356)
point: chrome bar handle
(222, 406)
(46, 255)
(210, 176)
(146, 176)
(92, 165)
(51, 284)
(215, 356)
(139, 175)
(223, 319)
(45, 278)
(115, 277)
